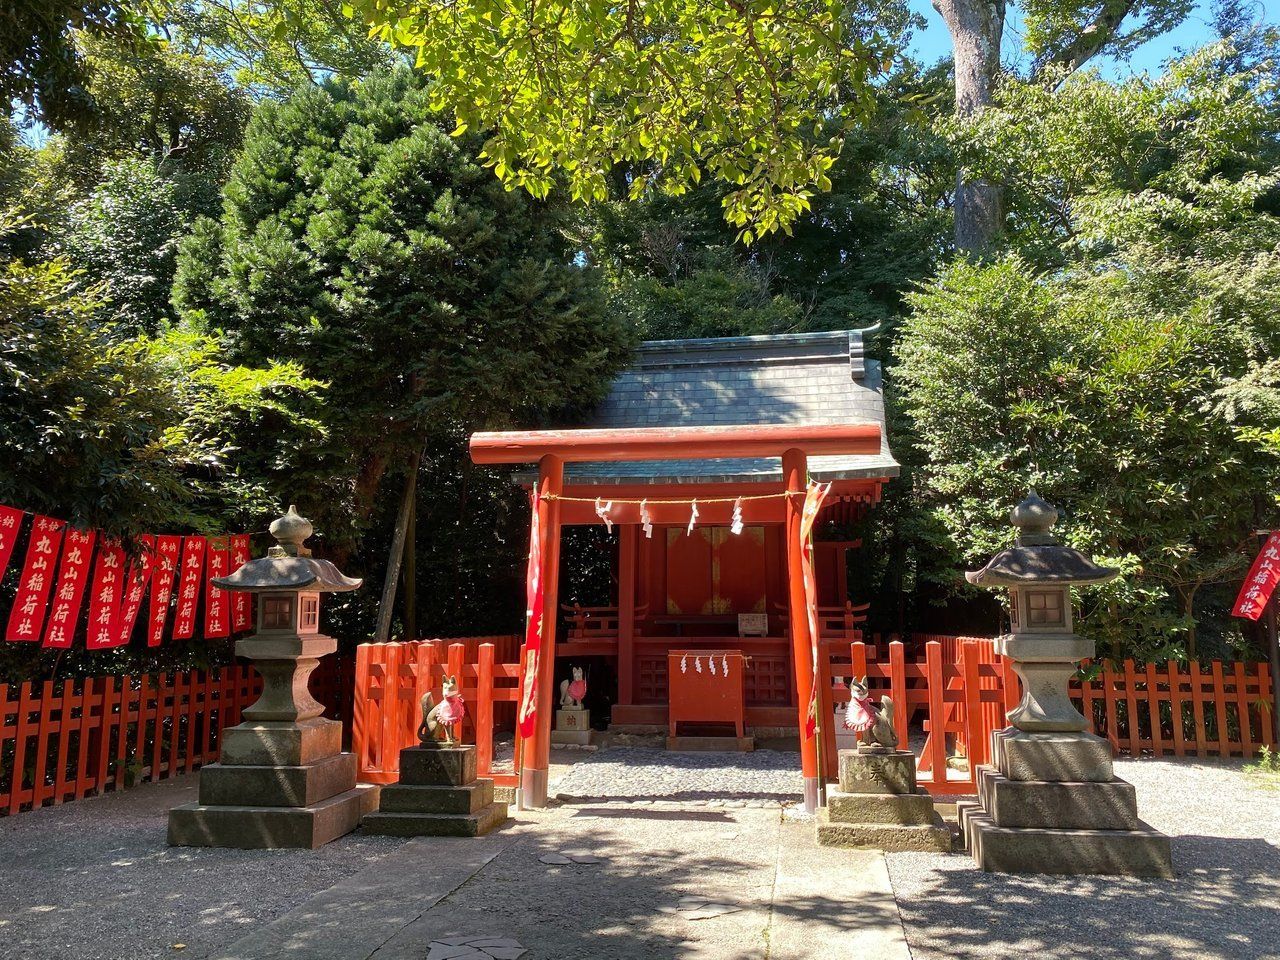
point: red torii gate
(551, 449)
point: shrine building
(737, 429)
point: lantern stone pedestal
(573, 726)
(438, 795)
(1050, 802)
(879, 806)
(282, 779)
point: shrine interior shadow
(1223, 903)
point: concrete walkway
(94, 880)
(793, 900)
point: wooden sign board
(753, 624)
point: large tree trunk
(976, 28)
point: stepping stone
(554, 858)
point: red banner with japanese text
(162, 572)
(217, 615)
(813, 497)
(526, 715)
(73, 577)
(26, 619)
(184, 622)
(1261, 581)
(105, 597)
(135, 587)
(10, 525)
(241, 610)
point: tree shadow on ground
(1224, 903)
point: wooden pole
(627, 542)
(382, 632)
(411, 573)
(794, 477)
(537, 755)
(1273, 643)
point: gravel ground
(1224, 903)
(763, 778)
(94, 880)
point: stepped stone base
(438, 796)
(880, 807)
(1070, 806)
(271, 786)
(1141, 852)
(933, 837)
(1052, 757)
(271, 827)
(573, 726)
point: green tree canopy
(363, 243)
(1096, 372)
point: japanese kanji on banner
(65, 569)
(73, 577)
(184, 623)
(162, 573)
(1261, 581)
(26, 619)
(10, 524)
(217, 620)
(241, 612)
(526, 715)
(104, 597)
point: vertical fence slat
(935, 683)
(39, 789)
(20, 733)
(1242, 709)
(1153, 711)
(89, 723)
(1220, 708)
(484, 709)
(898, 688)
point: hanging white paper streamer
(646, 521)
(684, 664)
(602, 511)
(693, 517)
(712, 662)
(697, 664)
(724, 662)
(736, 523)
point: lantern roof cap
(288, 565)
(1037, 556)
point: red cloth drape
(1261, 581)
(162, 572)
(813, 497)
(73, 577)
(31, 602)
(184, 622)
(104, 597)
(526, 716)
(217, 615)
(135, 586)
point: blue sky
(933, 42)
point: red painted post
(484, 709)
(977, 737)
(1153, 711)
(934, 685)
(627, 542)
(1242, 710)
(898, 689)
(795, 479)
(537, 755)
(87, 728)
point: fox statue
(863, 716)
(447, 713)
(572, 692)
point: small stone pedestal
(438, 796)
(879, 806)
(573, 726)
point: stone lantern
(1051, 802)
(282, 779)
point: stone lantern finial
(1034, 517)
(290, 531)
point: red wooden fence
(64, 741)
(1223, 709)
(391, 679)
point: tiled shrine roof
(802, 379)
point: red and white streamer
(162, 574)
(105, 597)
(184, 622)
(73, 578)
(31, 602)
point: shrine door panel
(689, 571)
(738, 577)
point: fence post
(484, 709)
(898, 689)
(976, 734)
(457, 660)
(87, 728)
(934, 687)
(38, 789)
